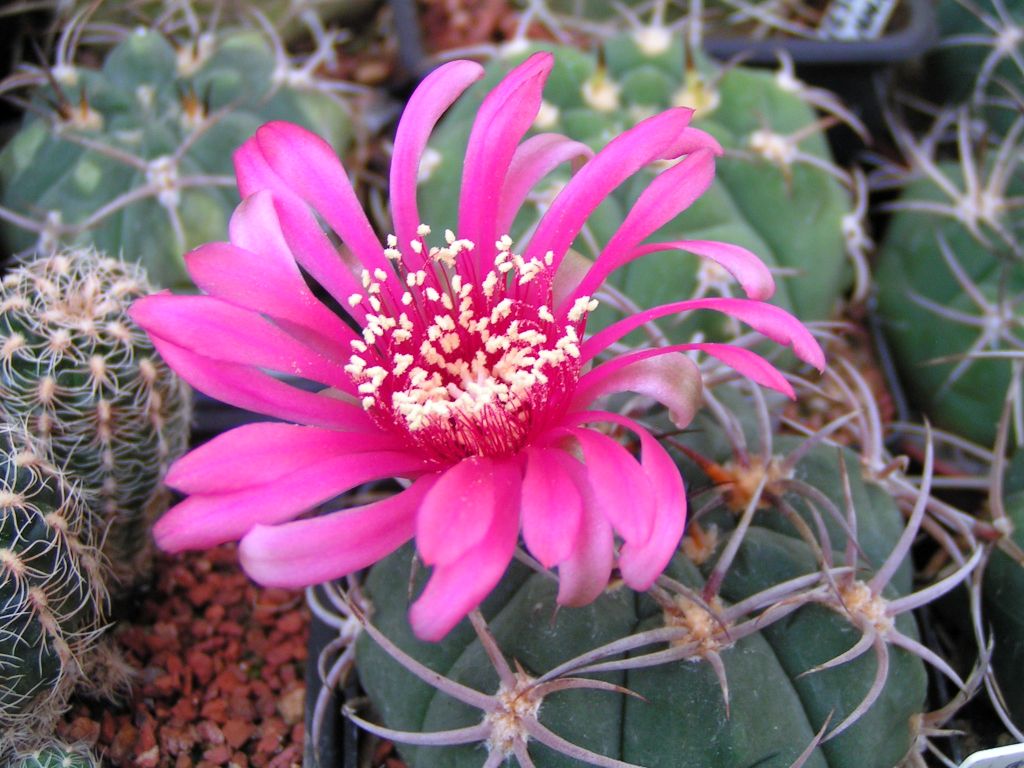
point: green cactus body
(680, 718)
(139, 164)
(932, 316)
(52, 597)
(789, 212)
(979, 58)
(58, 756)
(83, 376)
(1003, 597)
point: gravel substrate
(219, 672)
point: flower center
(465, 367)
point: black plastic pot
(912, 34)
(338, 743)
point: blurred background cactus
(87, 382)
(134, 156)
(950, 270)
(52, 589)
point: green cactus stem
(88, 381)
(52, 594)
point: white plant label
(1001, 757)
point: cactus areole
(469, 375)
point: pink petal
(254, 454)
(429, 101)
(250, 281)
(571, 271)
(317, 255)
(622, 491)
(641, 562)
(459, 510)
(551, 505)
(583, 576)
(330, 546)
(775, 323)
(229, 333)
(257, 226)
(504, 117)
(457, 588)
(245, 386)
(670, 193)
(664, 136)
(208, 520)
(670, 378)
(534, 159)
(289, 160)
(751, 273)
(750, 364)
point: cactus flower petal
(259, 453)
(461, 507)
(247, 387)
(775, 323)
(547, 482)
(303, 165)
(751, 273)
(466, 372)
(535, 159)
(621, 489)
(234, 335)
(206, 520)
(436, 93)
(670, 378)
(319, 549)
(504, 117)
(583, 575)
(250, 281)
(457, 588)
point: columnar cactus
(52, 595)
(777, 190)
(135, 156)
(86, 379)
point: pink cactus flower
(471, 378)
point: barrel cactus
(777, 190)
(950, 275)
(52, 594)
(135, 156)
(56, 755)
(1003, 593)
(780, 633)
(980, 57)
(86, 379)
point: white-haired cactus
(950, 272)
(86, 379)
(134, 157)
(777, 190)
(57, 755)
(52, 596)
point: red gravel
(219, 680)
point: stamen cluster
(464, 367)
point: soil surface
(218, 672)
